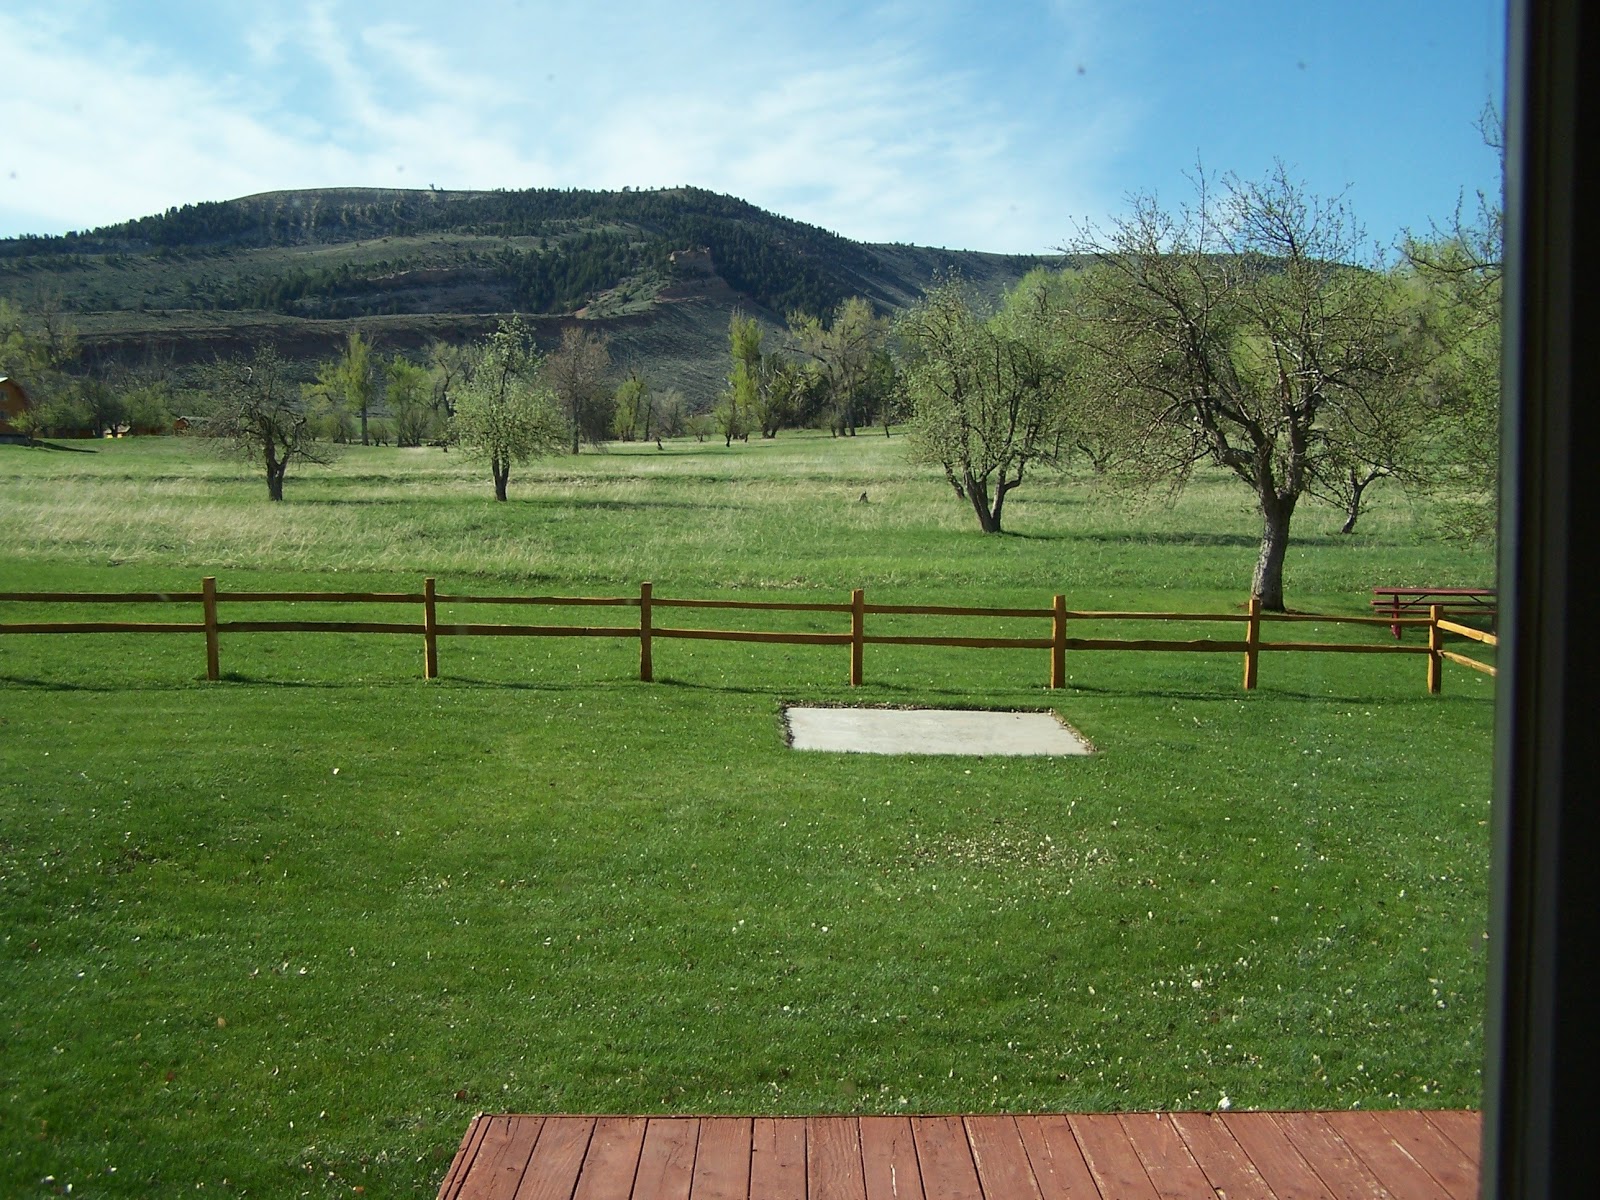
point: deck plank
(778, 1159)
(1436, 1154)
(1388, 1155)
(948, 1172)
(563, 1142)
(1056, 1159)
(666, 1161)
(1167, 1161)
(502, 1159)
(1001, 1159)
(1342, 1170)
(1391, 1162)
(1112, 1160)
(612, 1163)
(1275, 1156)
(889, 1159)
(1465, 1129)
(465, 1154)
(1227, 1167)
(833, 1159)
(722, 1164)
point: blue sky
(990, 126)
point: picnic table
(1400, 602)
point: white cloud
(863, 126)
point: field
(286, 933)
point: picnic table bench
(1417, 601)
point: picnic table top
(1432, 591)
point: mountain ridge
(661, 270)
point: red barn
(13, 402)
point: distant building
(13, 403)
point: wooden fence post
(1058, 642)
(208, 594)
(858, 634)
(1252, 643)
(430, 630)
(1435, 645)
(647, 666)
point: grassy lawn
(288, 932)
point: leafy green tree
(60, 412)
(737, 405)
(147, 387)
(326, 402)
(505, 414)
(672, 413)
(149, 406)
(731, 415)
(409, 398)
(259, 414)
(843, 351)
(343, 392)
(1466, 377)
(576, 374)
(1390, 429)
(360, 377)
(1462, 267)
(1241, 329)
(987, 392)
(763, 386)
(449, 366)
(880, 391)
(635, 417)
(103, 404)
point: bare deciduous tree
(987, 392)
(1249, 328)
(259, 414)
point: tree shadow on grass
(525, 501)
(1197, 539)
(32, 683)
(689, 685)
(40, 444)
(872, 695)
(1264, 691)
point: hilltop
(660, 271)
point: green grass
(293, 929)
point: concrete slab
(931, 731)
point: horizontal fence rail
(1058, 642)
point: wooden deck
(1127, 1156)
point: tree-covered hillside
(540, 250)
(660, 271)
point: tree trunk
(978, 493)
(1353, 508)
(501, 475)
(1268, 584)
(275, 469)
(1001, 491)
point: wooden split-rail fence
(648, 631)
